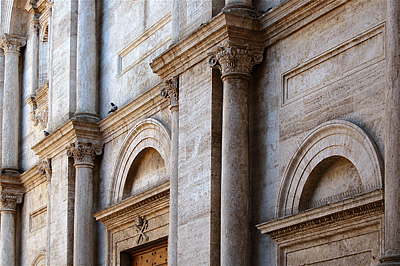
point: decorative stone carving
(12, 43)
(171, 90)
(141, 225)
(9, 200)
(235, 59)
(35, 26)
(83, 153)
(39, 106)
(45, 168)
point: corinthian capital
(171, 90)
(12, 43)
(9, 200)
(83, 153)
(235, 59)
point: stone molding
(171, 91)
(83, 153)
(12, 43)
(70, 132)
(45, 168)
(9, 200)
(332, 138)
(142, 204)
(234, 59)
(35, 26)
(336, 213)
(148, 133)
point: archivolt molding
(148, 133)
(40, 259)
(333, 138)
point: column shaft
(10, 112)
(86, 91)
(35, 55)
(83, 216)
(235, 173)
(392, 137)
(7, 254)
(173, 203)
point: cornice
(120, 121)
(32, 178)
(144, 204)
(292, 16)
(71, 132)
(194, 48)
(362, 205)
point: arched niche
(150, 138)
(316, 174)
(147, 171)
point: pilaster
(171, 91)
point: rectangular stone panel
(357, 250)
(337, 63)
(146, 44)
(37, 219)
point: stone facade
(242, 132)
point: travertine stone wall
(194, 232)
(332, 68)
(135, 32)
(62, 202)
(64, 62)
(34, 223)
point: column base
(240, 9)
(393, 260)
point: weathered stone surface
(250, 149)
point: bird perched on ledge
(113, 108)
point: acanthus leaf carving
(12, 43)
(235, 58)
(83, 152)
(9, 200)
(171, 90)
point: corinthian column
(86, 90)
(8, 207)
(11, 101)
(35, 54)
(84, 155)
(235, 61)
(171, 91)
(392, 137)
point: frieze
(83, 153)
(374, 207)
(12, 43)
(235, 59)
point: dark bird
(113, 108)
(46, 133)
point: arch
(336, 138)
(40, 259)
(148, 133)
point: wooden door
(153, 255)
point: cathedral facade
(199, 132)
